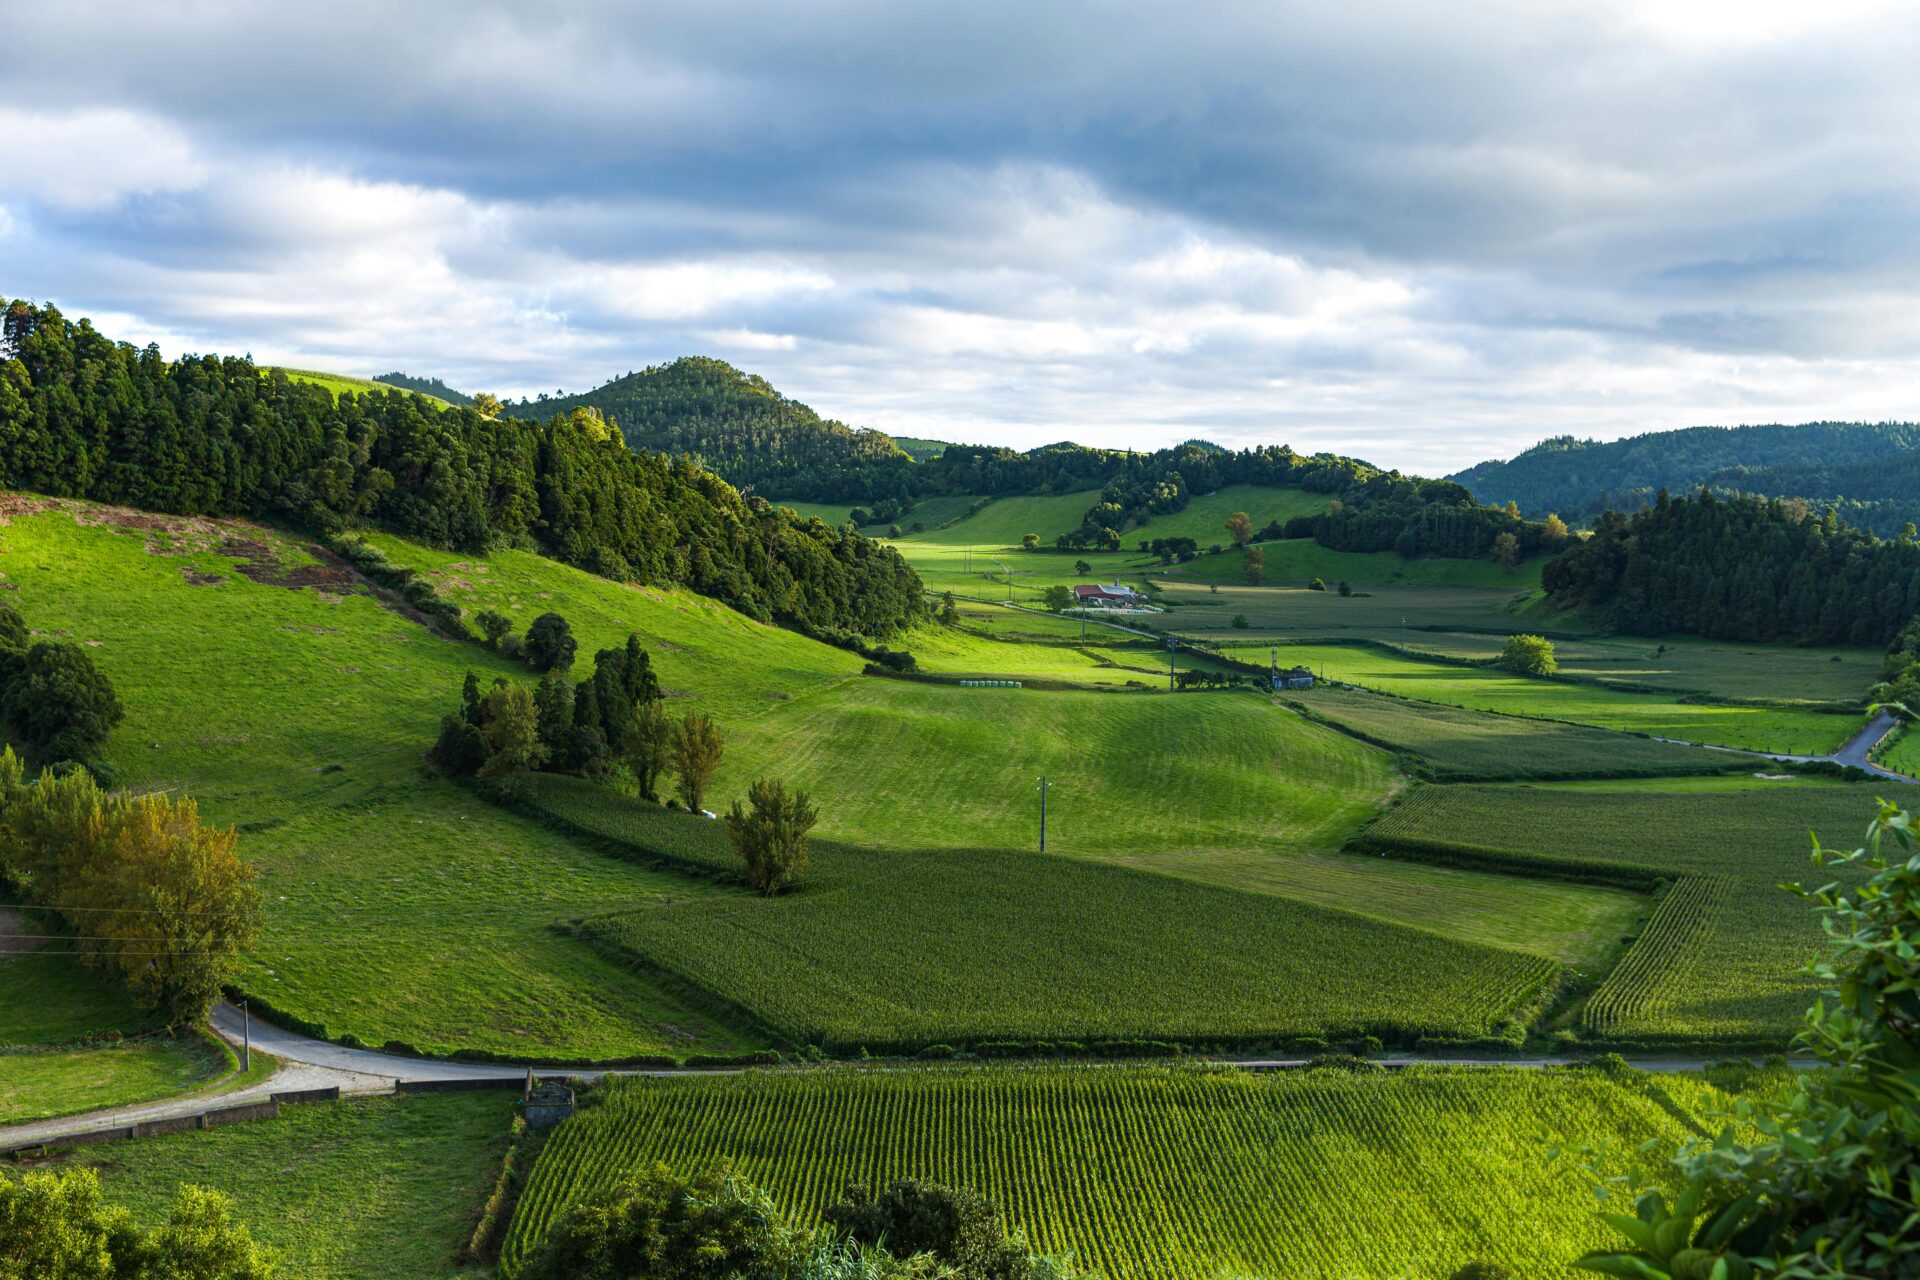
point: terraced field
(1152, 1173)
(1722, 957)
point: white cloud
(90, 159)
(749, 340)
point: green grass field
(1109, 659)
(1783, 729)
(1204, 518)
(1377, 613)
(59, 1082)
(1190, 772)
(52, 999)
(1177, 1172)
(399, 906)
(1460, 745)
(340, 383)
(383, 1186)
(1730, 952)
(1294, 562)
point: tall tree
(695, 754)
(771, 837)
(646, 745)
(549, 645)
(514, 748)
(1255, 565)
(1240, 528)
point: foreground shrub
(1832, 1187)
(54, 1226)
(661, 1227)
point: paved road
(1853, 753)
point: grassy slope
(1204, 518)
(1491, 689)
(385, 1186)
(1737, 973)
(1297, 1176)
(1379, 612)
(50, 999)
(340, 383)
(399, 906)
(1005, 521)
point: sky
(1420, 234)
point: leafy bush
(60, 703)
(54, 1226)
(1832, 1187)
(1528, 656)
(549, 644)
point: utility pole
(1044, 784)
(1173, 643)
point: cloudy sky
(1421, 233)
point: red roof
(1101, 593)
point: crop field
(399, 906)
(1784, 729)
(1460, 745)
(1318, 1175)
(962, 946)
(1723, 957)
(1904, 755)
(1192, 772)
(382, 1186)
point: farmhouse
(1297, 678)
(1113, 596)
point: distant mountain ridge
(1869, 472)
(738, 425)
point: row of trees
(657, 1225)
(82, 416)
(149, 893)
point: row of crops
(1663, 960)
(1724, 956)
(1320, 1175)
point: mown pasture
(399, 906)
(1724, 959)
(1787, 729)
(58, 1082)
(1377, 613)
(1319, 1175)
(1454, 744)
(381, 1186)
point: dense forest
(1743, 568)
(738, 425)
(425, 386)
(83, 416)
(1866, 470)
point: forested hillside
(426, 387)
(1866, 470)
(737, 424)
(1743, 568)
(83, 416)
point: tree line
(82, 416)
(1742, 568)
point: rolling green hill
(339, 383)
